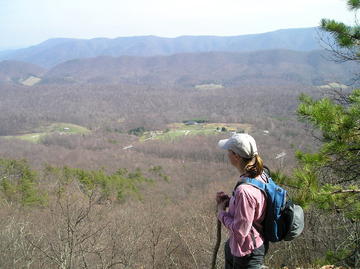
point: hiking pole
(223, 199)
(217, 245)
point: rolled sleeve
(224, 217)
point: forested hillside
(226, 69)
(13, 72)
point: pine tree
(345, 45)
(329, 178)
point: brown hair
(254, 166)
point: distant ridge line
(58, 50)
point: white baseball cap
(242, 144)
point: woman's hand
(222, 205)
(221, 196)
(222, 201)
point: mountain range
(55, 51)
(188, 69)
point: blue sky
(29, 22)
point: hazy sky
(28, 22)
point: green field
(177, 130)
(30, 81)
(55, 128)
(209, 86)
(333, 85)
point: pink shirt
(246, 210)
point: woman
(246, 208)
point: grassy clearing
(55, 128)
(66, 128)
(177, 130)
(30, 81)
(333, 85)
(209, 86)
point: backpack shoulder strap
(253, 182)
(267, 171)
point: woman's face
(236, 161)
(233, 158)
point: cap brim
(223, 144)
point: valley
(112, 151)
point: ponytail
(254, 166)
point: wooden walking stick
(221, 198)
(217, 245)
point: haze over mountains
(187, 70)
(58, 50)
(284, 56)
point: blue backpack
(283, 219)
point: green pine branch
(353, 5)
